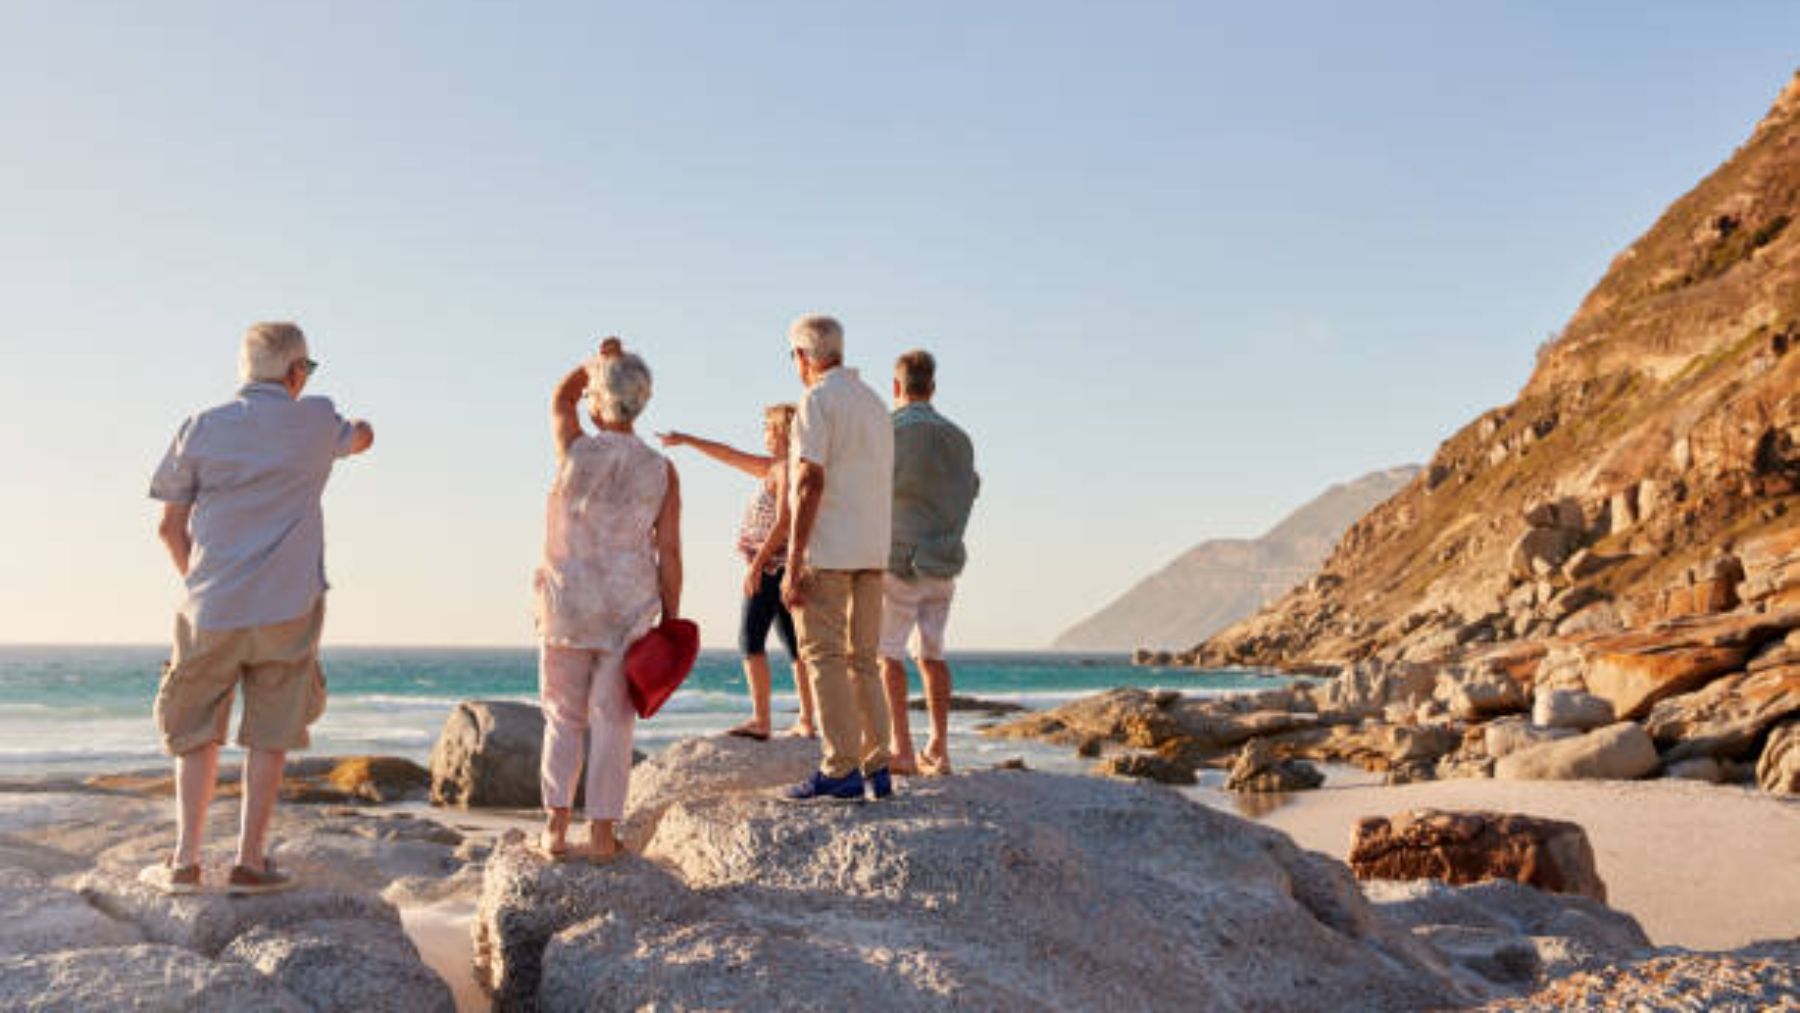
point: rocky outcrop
(141, 977)
(1647, 474)
(953, 894)
(82, 932)
(37, 917)
(1217, 583)
(341, 964)
(1193, 728)
(488, 755)
(1472, 847)
(1765, 976)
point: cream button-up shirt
(843, 426)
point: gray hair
(618, 386)
(820, 337)
(270, 349)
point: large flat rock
(36, 917)
(997, 890)
(146, 977)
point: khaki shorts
(922, 604)
(278, 665)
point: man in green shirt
(935, 486)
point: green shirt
(935, 485)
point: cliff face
(1654, 451)
(1219, 582)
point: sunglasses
(310, 366)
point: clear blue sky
(1184, 265)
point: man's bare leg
(262, 783)
(804, 725)
(196, 777)
(935, 673)
(893, 678)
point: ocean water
(66, 710)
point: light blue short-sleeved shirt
(254, 470)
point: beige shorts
(278, 665)
(921, 604)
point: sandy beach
(1700, 866)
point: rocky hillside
(1217, 583)
(1646, 473)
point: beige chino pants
(840, 631)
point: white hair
(618, 386)
(819, 336)
(270, 349)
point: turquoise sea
(87, 709)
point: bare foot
(800, 730)
(902, 766)
(750, 730)
(935, 762)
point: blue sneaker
(881, 784)
(848, 788)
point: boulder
(1145, 766)
(488, 755)
(1473, 847)
(1778, 770)
(1481, 692)
(1620, 752)
(365, 966)
(380, 778)
(1729, 716)
(1509, 936)
(1510, 735)
(991, 889)
(141, 977)
(1260, 769)
(36, 917)
(1565, 708)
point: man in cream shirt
(843, 476)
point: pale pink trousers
(584, 691)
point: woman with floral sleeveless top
(612, 565)
(761, 543)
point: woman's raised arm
(565, 416)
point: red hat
(658, 662)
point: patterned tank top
(597, 586)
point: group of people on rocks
(852, 545)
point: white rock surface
(998, 890)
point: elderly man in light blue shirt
(240, 488)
